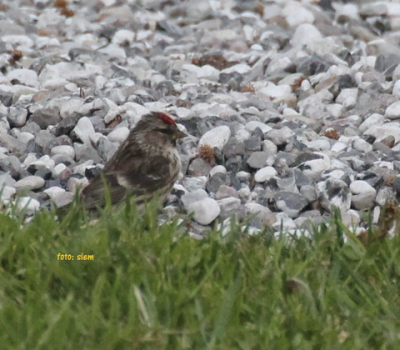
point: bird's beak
(179, 134)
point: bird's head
(159, 127)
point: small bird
(146, 164)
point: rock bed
(292, 106)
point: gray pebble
(199, 167)
(17, 116)
(229, 206)
(290, 203)
(257, 160)
(29, 183)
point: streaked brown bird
(146, 164)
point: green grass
(151, 288)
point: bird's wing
(137, 177)
(94, 194)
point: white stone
(224, 34)
(350, 217)
(315, 167)
(54, 191)
(45, 42)
(216, 137)
(87, 40)
(59, 168)
(318, 145)
(384, 195)
(248, 32)
(6, 193)
(338, 147)
(336, 174)
(30, 183)
(373, 120)
(326, 46)
(198, 9)
(118, 135)
(347, 10)
(244, 193)
(393, 9)
(29, 204)
(49, 17)
(75, 184)
(25, 137)
(283, 224)
(217, 169)
(182, 112)
(206, 71)
(131, 110)
(243, 134)
(53, 84)
(194, 183)
(191, 197)
(280, 136)
(205, 210)
(64, 149)
(27, 77)
(384, 130)
(359, 186)
(361, 145)
(265, 174)
(20, 40)
(396, 88)
(376, 215)
(84, 129)
(100, 81)
(204, 110)
(123, 37)
(305, 34)
(240, 68)
(95, 137)
(179, 187)
(339, 198)
(114, 51)
(393, 111)
(358, 77)
(345, 94)
(275, 92)
(296, 14)
(349, 103)
(260, 211)
(305, 85)
(252, 125)
(81, 168)
(70, 107)
(334, 109)
(229, 206)
(47, 161)
(142, 35)
(270, 147)
(363, 195)
(108, 3)
(315, 101)
(290, 112)
(30, 159)
(275, 65)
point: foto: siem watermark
(72, 257)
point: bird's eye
(165, 131)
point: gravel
(297, 103)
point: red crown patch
(165, 118)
